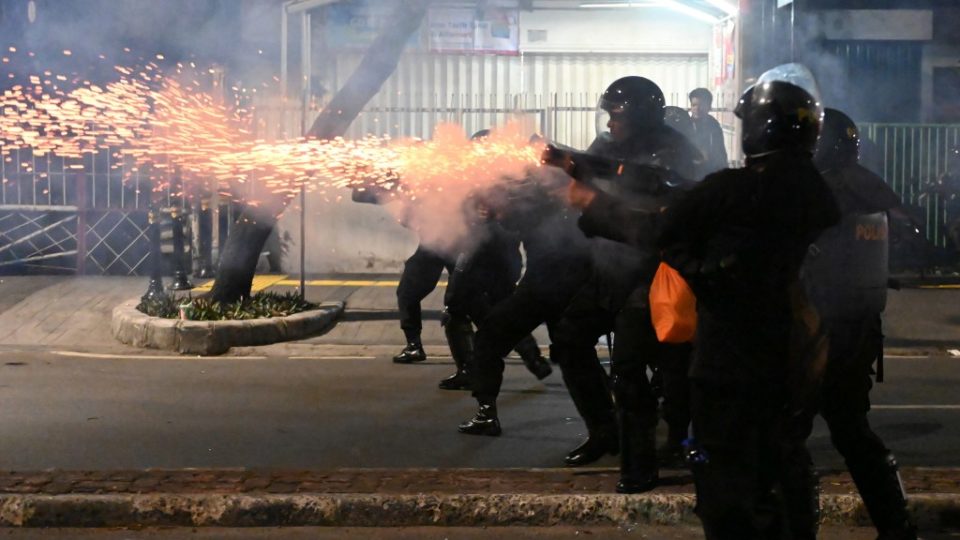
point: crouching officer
(486, 272)
(845, 274)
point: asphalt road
(343, 410)
(420, 533)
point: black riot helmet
(839, 144)
(679, 119)
(781, 111)
(638, 99)
(482, 134)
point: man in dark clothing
(498, 271)
(614, 298)
(421, 273)
(620, 297)
(739, 239)
(845, 274)
(558, 263)
(707, 133)
(486, 272)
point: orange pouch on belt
(673, 307)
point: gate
(69, 215)
(913, 158)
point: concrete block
(263, 332)
(196, 337)
(294, 326)
(230, 333)
(162, 333)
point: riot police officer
(499, 269)
(633, 108)
(739, 238)
(614, 296)
(558, 265)
(845, 274)
(486, 272)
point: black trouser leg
(421, 272)
(635, 346)
(800, 483)
(574, 340)
(737, 427)
(875, 473)
(674, 366)
(854, 345)
(459, 332)
(504, 326)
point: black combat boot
(413, 352)
(637, 420)
(638, 458)
(883, 495)
(600, 442)
(485, 422)
(670, 455)
(529, 351)
(460, 339)
(800, 493)
(587, 383)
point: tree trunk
(238, 258)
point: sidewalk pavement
(402, 498)
(73, 313)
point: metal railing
(912, 158)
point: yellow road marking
(205, 287)
(344, 283)
(262, 282)
(268, 280)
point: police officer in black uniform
(421, 273)
(486, 272)
(499, 270)
(739, 239)
(558, 265)
(614, 298)
(845, 274)
(638, 134)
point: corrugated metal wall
(553, 93)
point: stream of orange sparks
(175, 129)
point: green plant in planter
(258, 306)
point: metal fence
(913, 158)
(89, 215)
(566, 117)
(75, 215)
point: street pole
(155, 289)
(303, 244)
(305, 73)
(205, 238)
(180, 281)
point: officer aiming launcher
(589, 168)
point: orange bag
(673, 307)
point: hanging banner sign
(724, 54)
(492, 30)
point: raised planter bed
(133, 327)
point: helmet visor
(796, 74)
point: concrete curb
(364, 510)
(133, 327)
